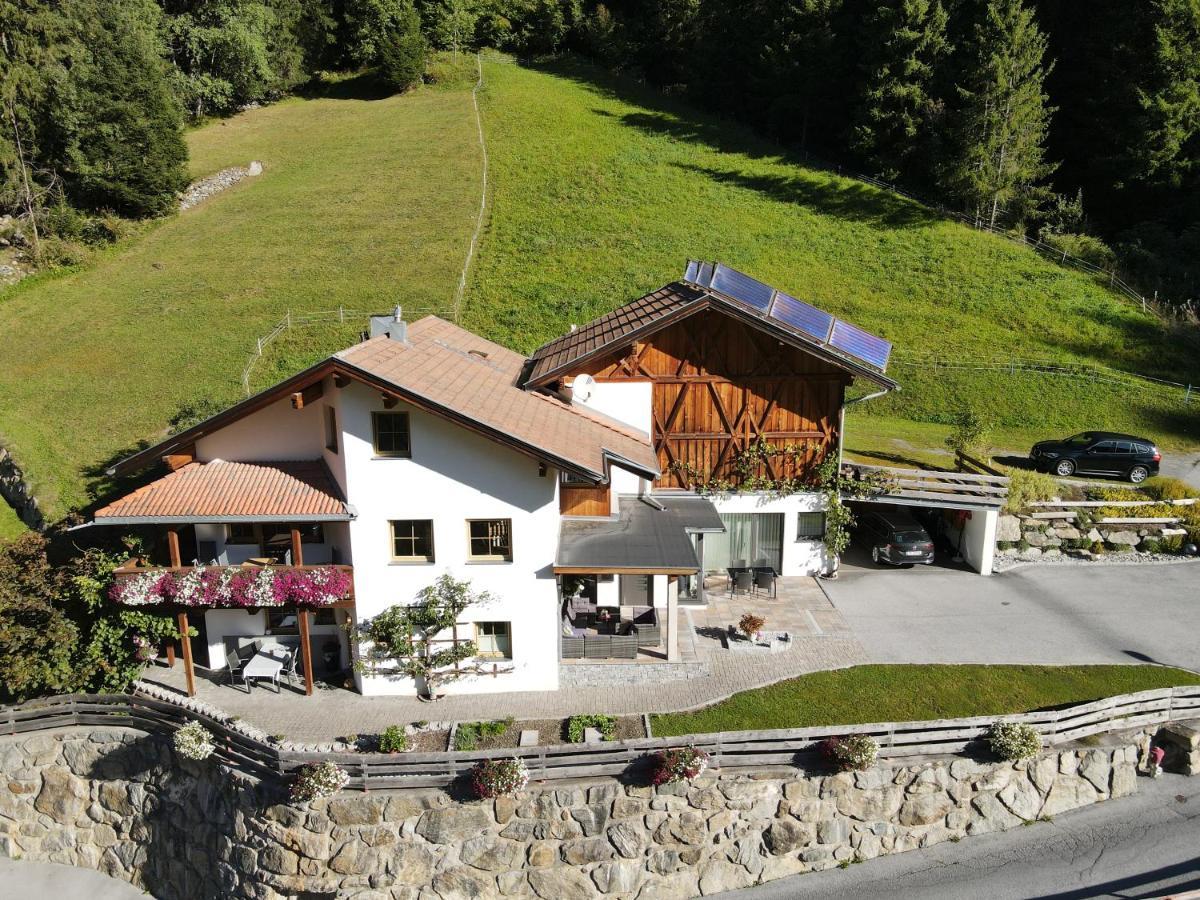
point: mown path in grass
(363, 203)
(901, 693)
(603, 189)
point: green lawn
(602, 190)
(915, 693)
(363, 204)
(10, 525)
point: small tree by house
(412, 640)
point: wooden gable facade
(721, 385)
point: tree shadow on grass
(361, 86)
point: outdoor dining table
(266, 664)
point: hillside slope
(362, 204)
(604, 189)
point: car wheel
(875, 555)
(1138, 474)
(1065, 468)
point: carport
(974, 500)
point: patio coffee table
(265, 664)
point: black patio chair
(743, 583)
(235, 664)
(765, 581)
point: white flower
(193, 741)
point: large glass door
(749, 539)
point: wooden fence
(735, 749)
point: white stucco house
(587, 488)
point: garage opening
(958, 510)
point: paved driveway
(1031, 614)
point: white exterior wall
(276, 433)
(979, 540)
(799, 557)
(628, 402)
(454, 475)
(222, 623)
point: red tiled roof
(448, 367)
(221, 491)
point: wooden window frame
(406, 453)
(416, 559)
(331, 430)
(490, 557)
(808, 536)
(499, 654)
(253, 527)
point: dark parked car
(1098, 453)
(893, 536)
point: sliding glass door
(749, 539)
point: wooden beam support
(185, 639)
(180, 458)
(305, 650)
(389, 402)
(173, 547)
(340, 381)
(310, 394)
(297, 548)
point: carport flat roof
(649, 536)
(924, 487)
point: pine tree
(402, 49)
(1002, 116)
(116, 129)
(904, 43)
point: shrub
(969, 433)
(852, 753)
(193, 741)
(1150, 545)
(1172, 543)
(499, 777)
(1085, 246)
(468, 734)
(678, 764)
(1098, 547)
(393, 740)
(402, 49)
(1014, 740)
(1023, 545)
(1161, 487)
(576, 725)
(1025, 487)
(316, 780)
(750, 624)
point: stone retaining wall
(119, 801)
(1050, 538)
(15, 491)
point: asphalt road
(1147, 845)
(22, 879)
(1031, 614)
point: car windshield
(1078, 440)
(911, 537)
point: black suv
(1098, 453)
(893, 536)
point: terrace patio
(820, 640)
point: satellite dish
(582, 388)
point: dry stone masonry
(1026, 538)
(199, 191)
(121, 802)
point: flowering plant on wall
(193, 741)
(234, 587)
(499, 777)
(678, 764)
(144, 650)
(316, 780)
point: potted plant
(193, 741)
(393, 740)
(751, 626)
(499, 777)
(678, 764)
(316, 780)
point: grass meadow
(363, 203)
(601, 190)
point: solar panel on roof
(693, 269)
(801, 316)
(860, 344)
(704, 275)
(741, 287)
